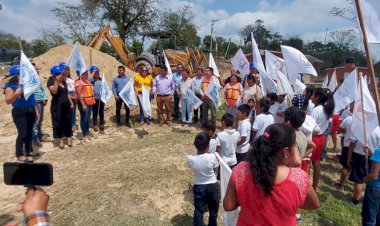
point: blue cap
(63, 65)
(251, 65)
(94, 68)
(14, 70)
(56, 69)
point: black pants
(98, 109)
(24, 120)
(119, 103)
(61, 120)
(195, 116)
(176, 106)
(206, 196)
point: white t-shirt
(320, 118)
(203, 168)
(244, 128)
(358, 146)
(278, 107)
(212, 145)
(345, 114)
(309, 127)
(227, 140)
(374, 139)
(262, 121)
(346, 124)
(310, 107)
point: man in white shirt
(244, 129)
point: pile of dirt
(107, 64)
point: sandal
(61, 143)
(70, 142)
(33, 154)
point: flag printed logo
(105, 92)
(29, 78)
(304, 62)
(212, 91)
(194, 101)
(127, 94)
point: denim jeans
(196, 118)
(186, 108)
(206, 196)
(37, 132)
(85, 119)
(370, 208)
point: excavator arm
(118, 45)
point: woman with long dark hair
(267, 190)
(61, 105)
(322, 112)
(24, 114)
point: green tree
(129, 16)
(39, 46)
(261, 34)
(136, 46)
(179, 23)
(77, 21)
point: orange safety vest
(87, 91)
(204, 86)
(232, 93)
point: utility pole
(212, 29)
(326, 36)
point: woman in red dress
(267, 190)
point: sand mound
(107, 64)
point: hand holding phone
(35, 199)
(28, 174)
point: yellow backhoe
(191, 60)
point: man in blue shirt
(118, 84)
(177, 77)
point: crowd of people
(270, 142)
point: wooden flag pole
(90, 57)
(363, 118)
(369, 60)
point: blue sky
(306, 18)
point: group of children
(311, 117)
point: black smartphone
(28, 174)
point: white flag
(29, 78)
(346, 93)
(128, 95)
(167, 64)
(212, 92)
(284, 83)
(273, 64)
(229, 218)
(296, 63)
(257, 61)
(370, 115)
(213, 65)
(145, 101)
(299, 87)
(76, 60)
(325, 82)
(240, 62)
(105, 92)
(194, 101)
(333, 83)
(371, 18)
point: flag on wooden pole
(363, 122)
(346, 93)
(240, 62)
(213, 65)
(29, 78)
(296, 63)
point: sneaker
(101, 127)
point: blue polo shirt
(375, 158)
(20, 102)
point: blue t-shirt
(97, 88)
(375, 158)
(20, 102)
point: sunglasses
(144, 70)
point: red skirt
(335, 123)
(318, 141)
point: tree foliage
(129, 16)
(347, 12)
(77, 21)
(179, 22)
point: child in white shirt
(244, 129)
(209, 127)
(227, 140)
(206, 191)
(263, 120)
